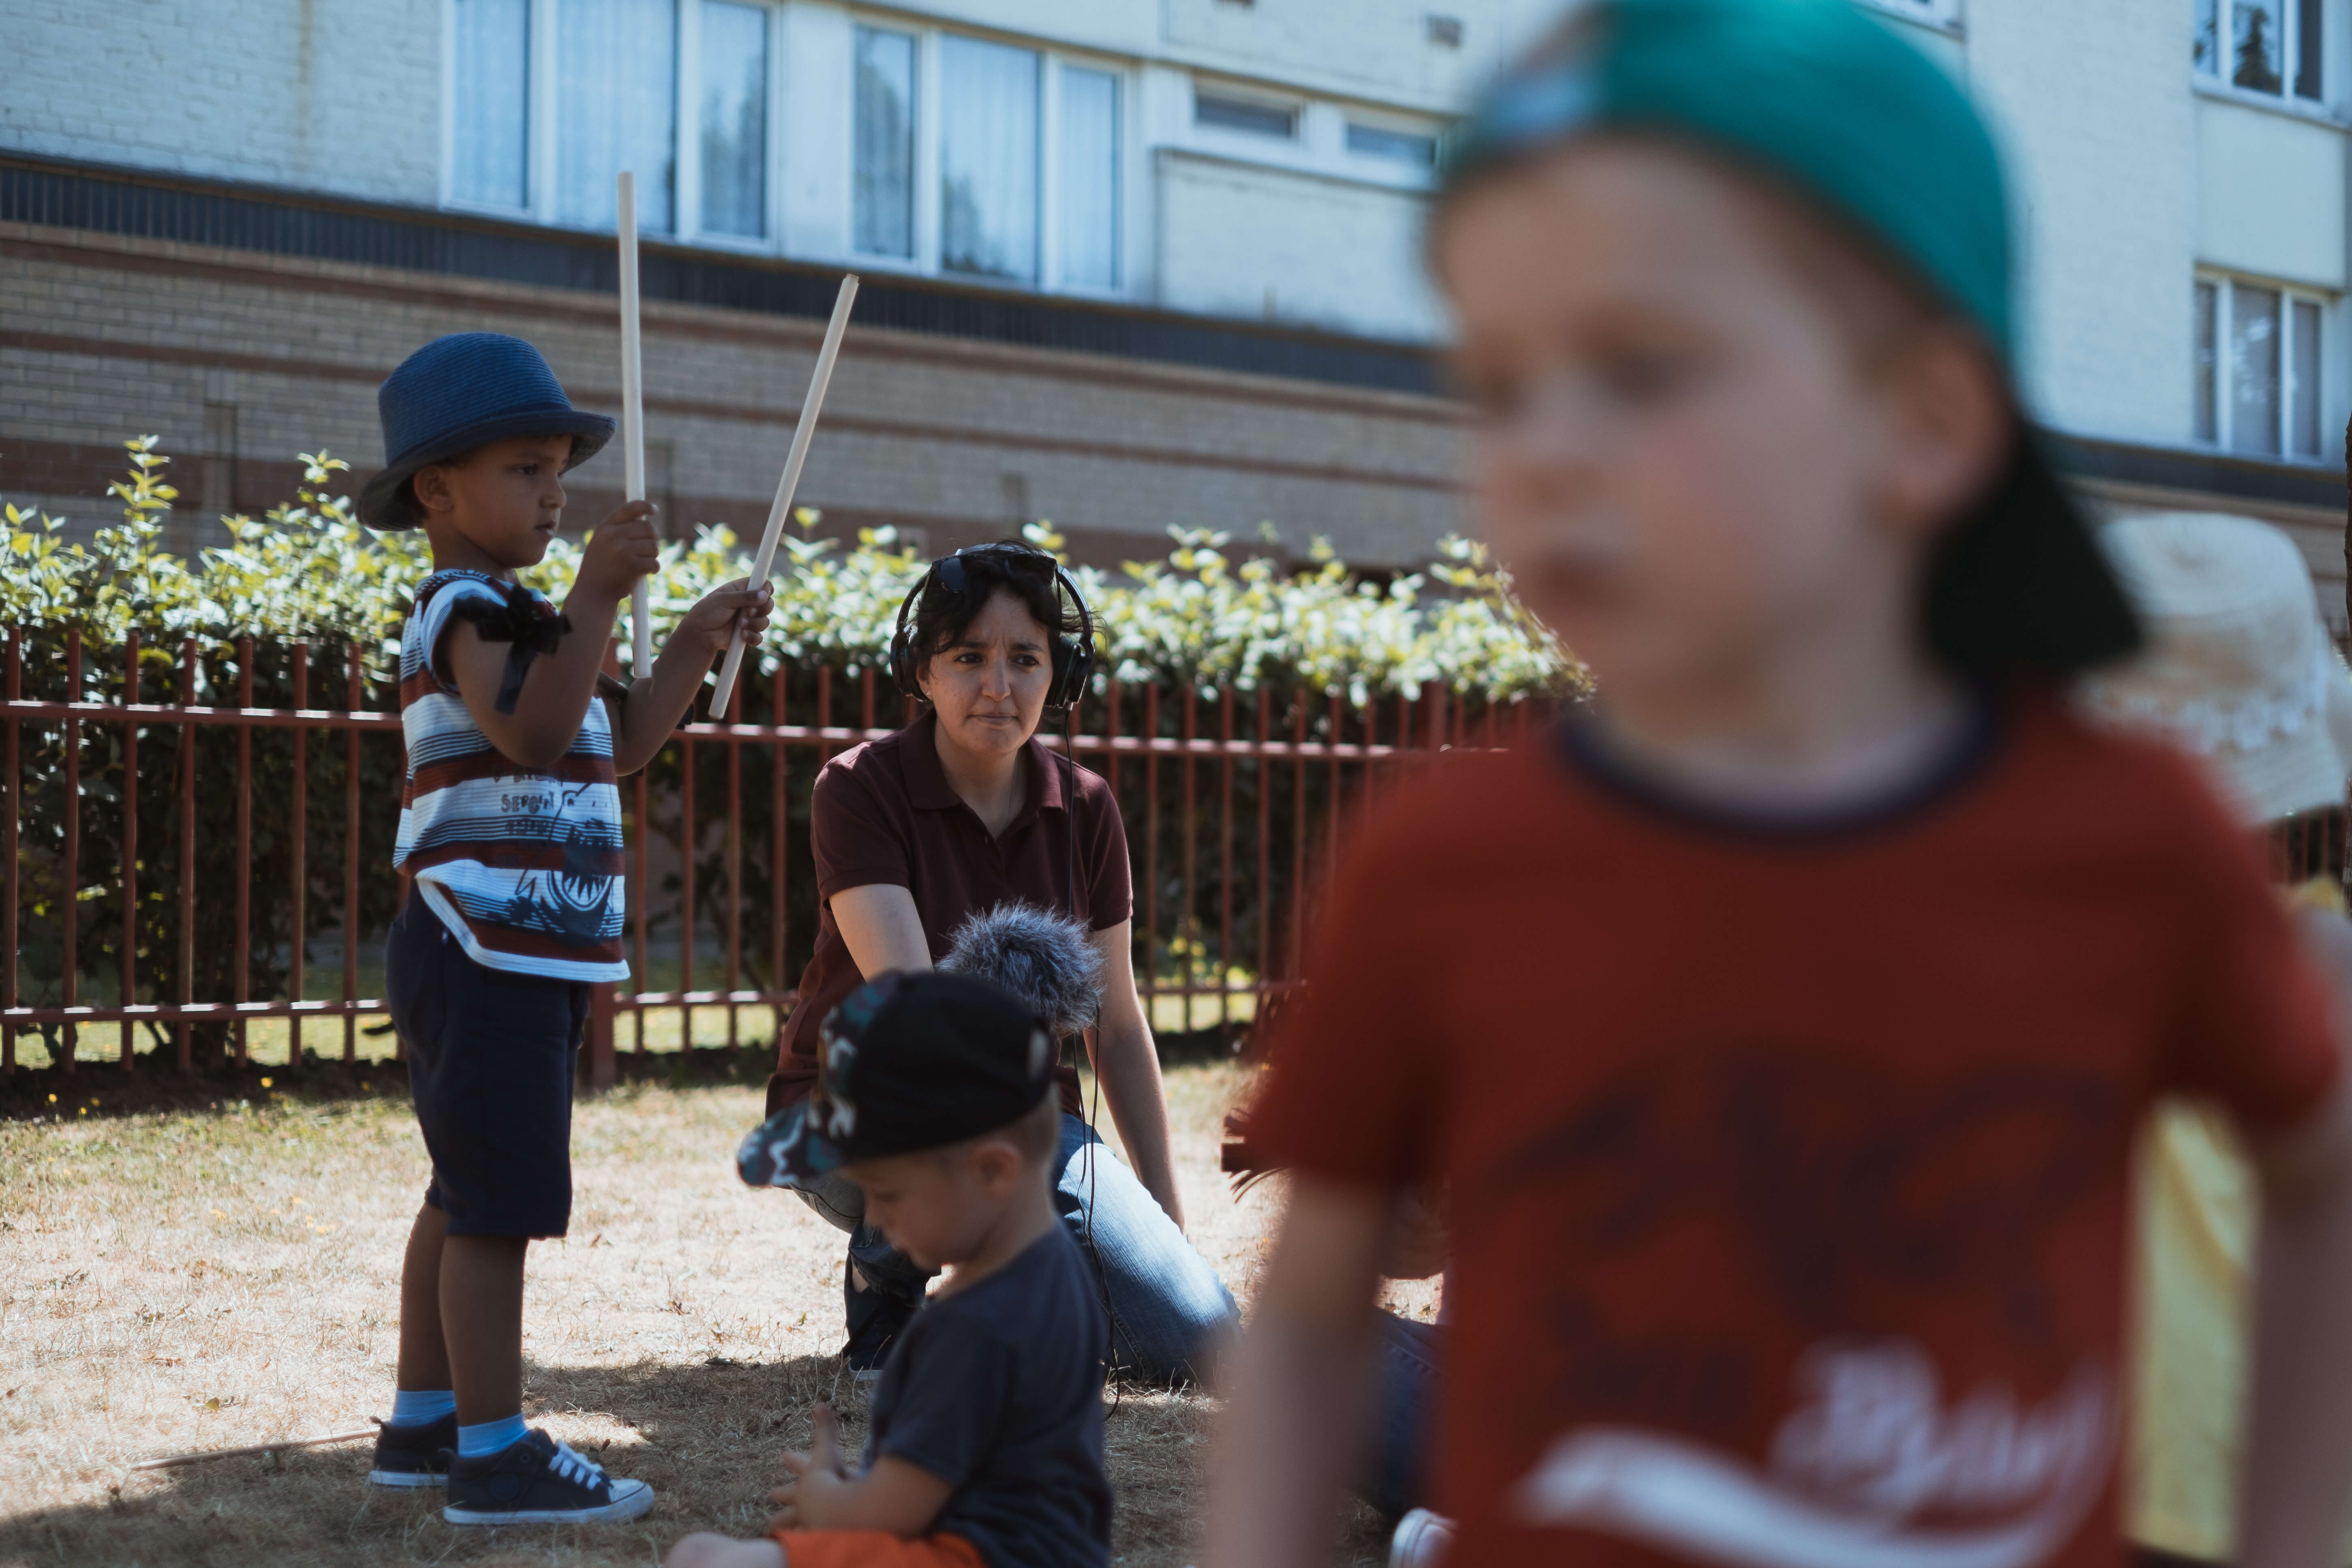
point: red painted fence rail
(1232, 802)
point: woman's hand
(1126, 1063)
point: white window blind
(734, 119)
(616, 108)
(1090, 178)
(988, 158)
(2260, 378)
(883, 144)
(490, 129)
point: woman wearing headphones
(956, 814)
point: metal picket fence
(141, 891)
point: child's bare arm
(556, 690)
(642, 725)
(2298, 1458)
(892, 1496)
(1299, 1383)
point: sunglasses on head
(1015, 560)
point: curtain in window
(616, 108)
(734, 119)
(2255, 370)
(2257, 45)
(988, 159)
(489, 151)
(1090, 178)
(2208, 417)
(882, 204)
(2302, 416)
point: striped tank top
(523, 866)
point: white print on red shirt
(1853, 1473)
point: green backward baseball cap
(1834, 107)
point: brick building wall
(326, 95)
(239, 361)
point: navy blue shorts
(490, 1057)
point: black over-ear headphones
(1073, 656)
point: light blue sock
(421, 1406)
(489, 1438)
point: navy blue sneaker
(537, 1480)
(415, 1455)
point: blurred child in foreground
(2239, 672)
(935, 1095)
(1779, 1032)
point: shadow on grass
(154, 1084)
(705, 1435)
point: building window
(547, 100)
(2258, 383)
(1010, 174)
(734, 119)
(988, 159)
(1090, 148)
(882, 199)
(1403, 146)
(490, 138)
(616, 108)
(1246, 115)
(2270, 47)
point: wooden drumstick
(801, 430)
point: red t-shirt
(884, 812)
(1787, 1168)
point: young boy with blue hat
(1778, 1030)
(935, 1094)
(510, 828)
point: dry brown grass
(199, 1280)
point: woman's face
(989, 685)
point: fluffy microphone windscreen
(1039, 956)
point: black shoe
(415, 1455)
(537, 1480)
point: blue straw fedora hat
(458, 393)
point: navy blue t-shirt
(997, 1391)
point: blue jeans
(1405, 1407)
(1164, 1302)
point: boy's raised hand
(704, 631)
(623, 549)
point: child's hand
(816, 1474)
(702, 633)
(624, 548)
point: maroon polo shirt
(883, 812)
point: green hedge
(310, 573)
(310, 569)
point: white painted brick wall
(2093, 102)
(331, 95)
(1239, 241)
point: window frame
(539, 173)
(2224, 286)
(540, 136)
(2218, 81)
(1052, 62)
